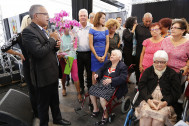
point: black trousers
(137, 70)
(31, 88)
(84, 61)
(48, 97)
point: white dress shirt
(83, 37)
(120, 32)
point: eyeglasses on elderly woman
(175, 28)
(160, 62)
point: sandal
(64, 92)
(103, 122)
(95, 114)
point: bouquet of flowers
(61, 24)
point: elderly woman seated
(110, 76)
(159, 90)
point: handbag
(68, 66)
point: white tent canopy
(12, 8)
(15, 7)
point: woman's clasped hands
(156, 105)
(101, 59)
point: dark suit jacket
(119, 77)
(169, 84)
(42, 56)
(142, 32)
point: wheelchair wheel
(126, 105)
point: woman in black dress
(128, 38)
(129, 49)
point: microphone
(53, 28)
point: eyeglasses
(46, 14)
(175, 28)
(157, 29)
(159, 62)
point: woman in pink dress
(150, 46)
(177, 46)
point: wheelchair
(111, 104)
(131, 119)
(125, 103)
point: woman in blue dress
(99, 43)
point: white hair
(160, 54)
(118, 53)
(91, 15)
(147, 15)
(83, 10)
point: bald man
(142, 32)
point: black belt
(83, 51)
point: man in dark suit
(142, 32)
(41, 50)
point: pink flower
(60, 15)
(63, 13)
(59, 22)
(56, 15)
(57, 19)
(52, 20)
(67, 25)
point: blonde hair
(111, 22)
(25, 22)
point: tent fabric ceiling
(115, 3)
(146, 1)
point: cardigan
(119, 77)
(169, 84)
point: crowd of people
(104, 49)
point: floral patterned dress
(151, 48)
(178, 55)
